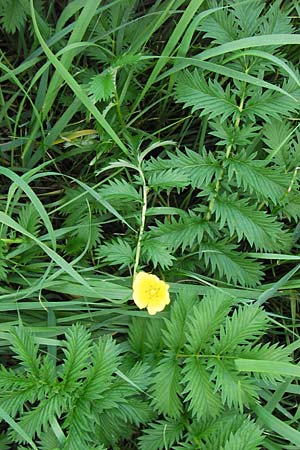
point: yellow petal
(151, 292)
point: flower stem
(142, 227)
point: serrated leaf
(225, 260)
(102, 86)
(182, 233)
(174, 333)
(13, 14)
(162, 434)
(230, 135)
(166, 386)
(205, 319)
(220, 27)
(23, 345)
(120, 190)
(168, 179)
(117, 252)
(77, 351)
(99, 375)
(29, 218)
(269, 104)
(200, 169)
(259, 228)
(193, 91)
(254, 175)
(248, 437)
(158, 254)
(203, 401)
(237, 391)
(246, 323)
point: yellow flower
(150, 292)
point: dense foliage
(161, 136)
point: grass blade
(8, 221)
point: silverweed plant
(195, 378)
(149, 209)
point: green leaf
(41, 416)
(200, 169)
(154, 251)
(205, 319)
(211, 98)
(120, 191)
(272, 104)
(76, 88)
(174, 332)
(99, 375)
(252, 174)
(246, 323)
(23, 345)
(77, 351)
(275, 368)
(182, 233)
(117, 252)
(237, 391)
(260, 229)
(203, 401)
(13, 14)
(166, 386)
(168, 179)
(278, 426)
(248, 437)
(102, 86)
(161, 435)
(29, 219)
(17, 428)
(4, 218)
(3, 263)
(225, 259)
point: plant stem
(228, 152)
(142, 227)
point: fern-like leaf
(210, 98)
(246, 323)
(162, 434)
(183, 233)
(23, 345)
(203, 401)
(117, 252)
(77, 352)
(265, 105)
(13, 14)
(229, 135)
(223, 259)
(200, 169)
(236, 391)
(154, 251)
(102, 86)
(205, 319)
(257, 227)
(168, 179)
(220, 27)
(79, 422)
(99, 374)
(248, 437)
(29, 219)
(120, 191)
(253, 175)
(174, 333)
(40, 417)
(166, 386)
